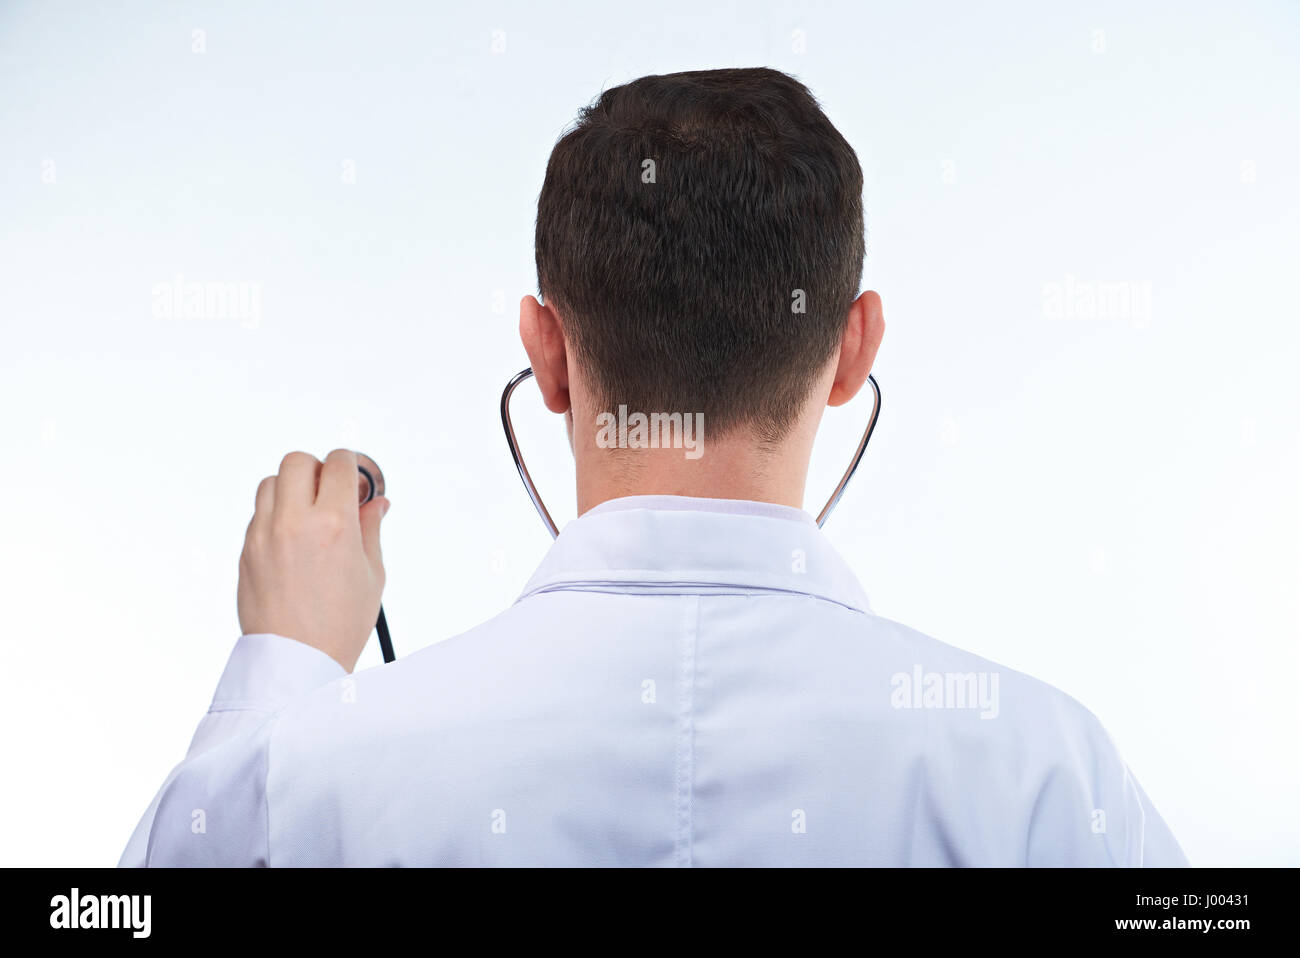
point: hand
(311, 568)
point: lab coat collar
(685, 545)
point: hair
(680, 217)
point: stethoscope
(370, 483)
(531, 489)
(372, 480)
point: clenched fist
(311, 568)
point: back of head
(701, 236)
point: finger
(296, 486)
(338, 481)
(372, 513)
(265, 503)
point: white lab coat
(683, 682)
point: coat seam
(685, 835)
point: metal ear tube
(531, 488)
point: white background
(1107, 503)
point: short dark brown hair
(678, 294)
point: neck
(734, 466)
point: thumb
(372, 513)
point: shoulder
(925, 672)
(443, 684)
(1027, 750)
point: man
(693, 676)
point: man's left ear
(543, 338)
(862, 334)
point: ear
(543, 339)
(862, 334)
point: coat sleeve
(211, 809)
(1090, 809)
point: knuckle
(284, 525)
(329, 523)
(296, 458)
(255, 534)
(256, 540)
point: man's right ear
(543, 338)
